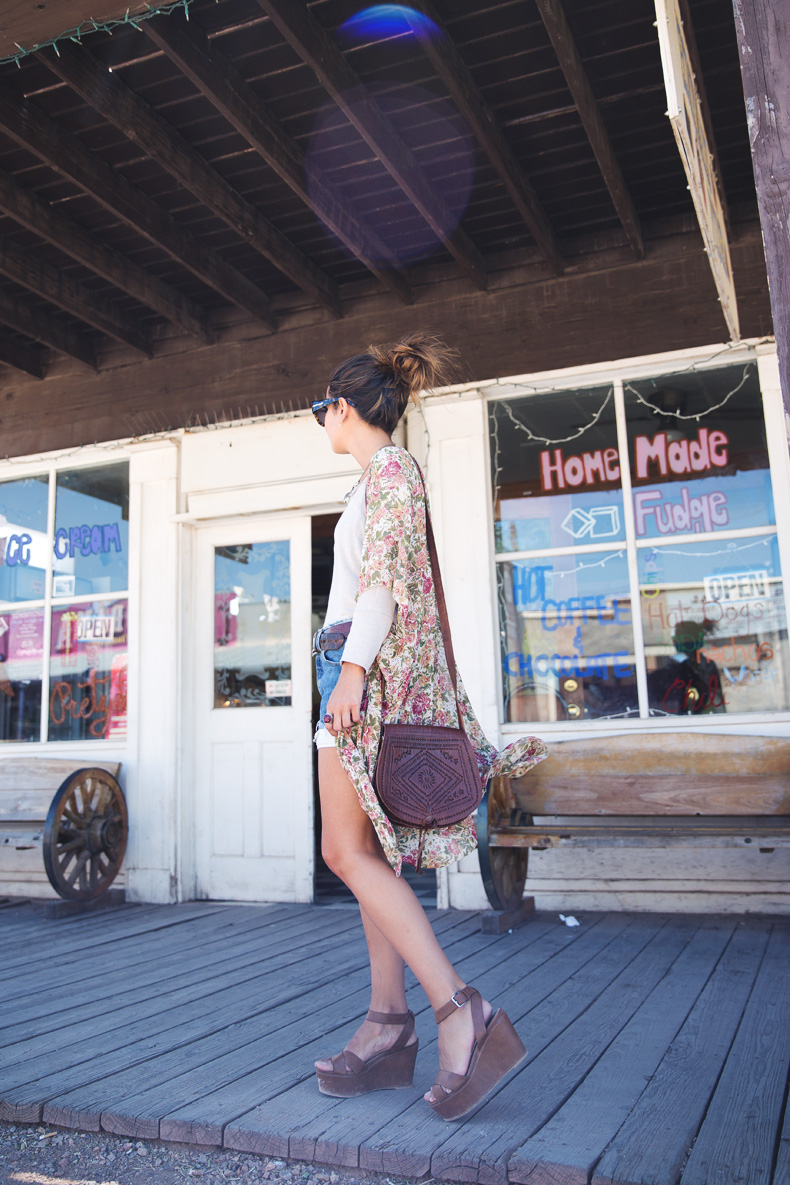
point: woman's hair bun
(418, 362)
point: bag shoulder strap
(441, 604)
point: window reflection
(88, 664)
(567, 639)
(556, 471)
(23, 539)
(91, 543)
(699, 460)
(21, 669)
(252, 625)
(715, 629)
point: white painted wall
(282, 466)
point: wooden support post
(495, 921)
(763, 28)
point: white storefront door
(253, 806)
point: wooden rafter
(109, 95)
(30, 210)
(27, 24)
(559, 32)
(29, 126)
(30, 271)
(217, 78)
(19, 315)
(446, 60)
(696, 66)
(27, 359)
(310, 40)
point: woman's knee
(342, 855)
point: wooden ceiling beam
(699, 78)
(555, 21)
(215, 76)
(27, 359)
(30, 271)
(23, 23)
(109, 95)
(315, 47)
(20, 316)
(31, 211)
(33, 129)
(444, 56)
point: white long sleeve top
(372, 614)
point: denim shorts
(327, 672)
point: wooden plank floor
(658, 1046)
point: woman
(380, 657)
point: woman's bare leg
(395, 923)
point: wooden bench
(76, 815)
(662, 789)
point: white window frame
(761, 351)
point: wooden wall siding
(664, 302)
(167, 200)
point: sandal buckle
(453, 999)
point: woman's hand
(345, 700)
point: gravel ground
(38, 1154)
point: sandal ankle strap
(388, 1018)
(456, 1001)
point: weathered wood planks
(658, 1046)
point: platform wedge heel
(498, 1049)
(392, 1069)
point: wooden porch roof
(261, 166)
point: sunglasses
(321, 406)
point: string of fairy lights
(92, 26)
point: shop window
(91, 531)
(252, 625)
(697, 551)
(60, 629)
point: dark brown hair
(380, 382)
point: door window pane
(252, 625)
(87, 685)
(556, 471)
(715, 628)
(567, 639)
(23, 539)
(699, 461)
(21, 668)
(92, 531)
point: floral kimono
(412, 664)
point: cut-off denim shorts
(327, 672)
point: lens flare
(439, 138)
(386, 20)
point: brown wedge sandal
(497, 1050)
(391, 1069)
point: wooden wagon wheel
(504, 870)
(85, 835)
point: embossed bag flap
(427, 776)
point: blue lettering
(85, 539)
(75, 538)
(96, 544)
(111, 534)
(587, 604)
(61, 536)
(508, 668)
(18, 550)
(621, 669)
(544, 611)
(543, 669)
(618, 607)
